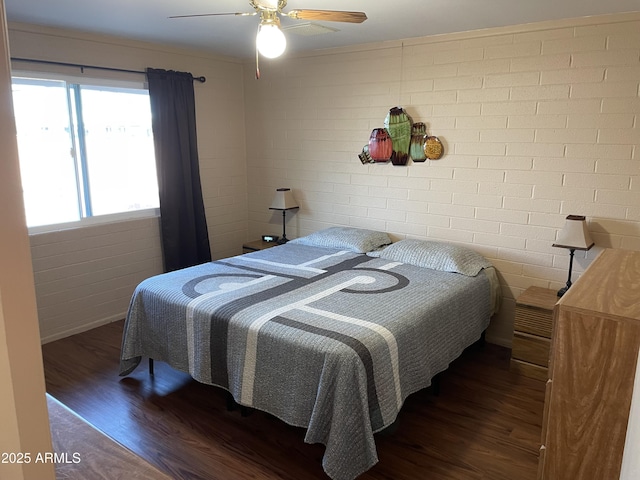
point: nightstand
(532, 332)
(256, 245)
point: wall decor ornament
(398, 123)
(401, 140)
(433, 148)
(364, 155)
(380, 145)
(418, 140)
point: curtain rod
(82, 67)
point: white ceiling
(235, 36)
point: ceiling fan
(270, 41)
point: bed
(330, 332)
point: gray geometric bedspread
(328, 340)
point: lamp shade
(574, 235)
(283, 200)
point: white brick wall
(85, 277)
(538, 122)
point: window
(85, 150)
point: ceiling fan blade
(240, 14)
(328, 15)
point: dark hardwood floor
(85, 453)
(485, 423)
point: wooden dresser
(594, 353)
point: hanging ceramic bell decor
(380, 145)
(418, 139)
(398, 123)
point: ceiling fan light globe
(267, 4)
(270, 41)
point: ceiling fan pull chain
(257, 67)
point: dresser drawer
(533, 325)
(529, 369)
(533, 320)
(531, 348)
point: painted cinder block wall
(538, 122)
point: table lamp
(573, 236)
(283, 200)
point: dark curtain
(185, 240)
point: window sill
(97, 220)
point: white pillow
(442, 256)
(357, 240)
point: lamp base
(564, 289)
(284, 238)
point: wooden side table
(256, 245)
(532, 332)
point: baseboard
(498, 340)
(81, 328)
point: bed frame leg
(435, 385)
(151, 366)
(231, 403)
